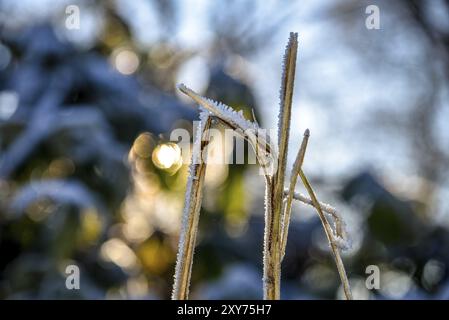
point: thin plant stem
(306, 200)
(288, 201)
(275, 189)
(325, 207)
(330, 238)
(192, 206)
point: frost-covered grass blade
(191, 214)
(273, 227)
(288, 202)
(330, 237)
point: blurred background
(88, 175)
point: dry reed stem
(306, 200)
(192, 206)
(275, 189)
(325, 207)
(288, 201)
(330, 238)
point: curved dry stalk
(327, 208)
(306, 200)
(288, 202)
(330, 238)
(192, 206)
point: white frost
(221, 110)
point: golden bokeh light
(136, 228)
(40, 210)
(143, 145)
(116, 251)
(167, 156)
(61, 167)
(91, 226)
(137, 287)
(156, 256)
(125, 61)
